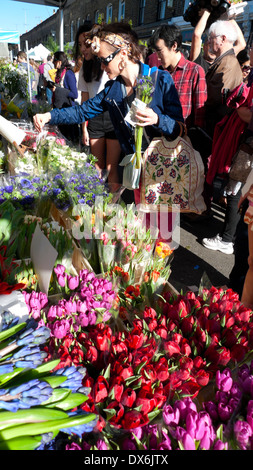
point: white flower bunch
(15, 80)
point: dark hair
(84, 28)
(243, 56)
(21, 55)
(60, 55)
(171, 34)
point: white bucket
(11, 132)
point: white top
(94, 87)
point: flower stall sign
(43, 256)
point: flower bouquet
(114, 235)
(144, 93)
(145, 87)
(85, 300)
(36, 400)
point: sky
(21, 16)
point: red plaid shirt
(190, 82)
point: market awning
(12, 37)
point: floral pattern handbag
(172, 174)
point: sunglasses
(246, 68)
(109, 58)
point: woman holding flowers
(117, 48)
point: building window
(161, 9)
(141, 11)
(121, 15)
(109, 13)
(87, 18)
(97, 16)
(78, 23)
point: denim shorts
(101, 126)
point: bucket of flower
(39, 399)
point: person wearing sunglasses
(117, 48)
(244, 61)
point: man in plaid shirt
(189, 77)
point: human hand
(40, 120)
(146, 117)
(86, 138)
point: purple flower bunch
(90, 301)
(183, 427)
(233, 405)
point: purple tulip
(139, 431)
(188, 442)
(73, 282)
(222, 397)
(81, 306)
(250, 413)
(235, 391)
(224, 380)
(35, 313)
(211, 409)
(70, 306)
(247, 385)
(82, 320)
(165, 443)
(185, 406)
(54, 312)
(73, 446)
(243, 433)
(128, 444)
(101, 445)
(219, 445)
(60, 328)
(224, 412)
(92, 318)
(61, 279)
(171, 416)
(59, 269)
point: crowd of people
(209, 91)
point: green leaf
(11, 331)
(54, 380)
(33, 415)
(33, 429)
(153, 414)
(21, 443)
(57, 395)
(70, 402)
(47, 366)
(109, 413)
(4, 378)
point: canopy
(11, 37)
(39, 52)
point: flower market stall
(97, 350)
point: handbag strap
(183, 129)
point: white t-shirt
(94, 87)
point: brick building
(144, 15)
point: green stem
(138, 145)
